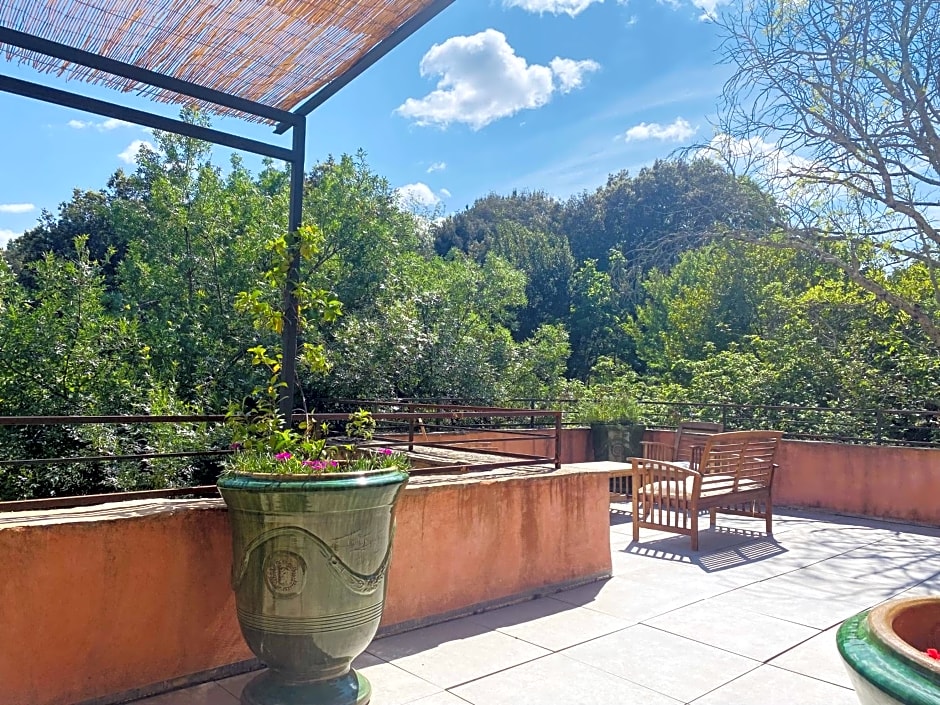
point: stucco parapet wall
(134, 597)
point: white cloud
(570, 73)
(445, 193)
(16, 207)
(6, 236)
(129, 155)
(709, 8)
(103, 126)
(755, 155)
(780, 171)
(113, 123)
(417, 195)
(437, 166)
(677, 131)
(482, 80)
(556, 7)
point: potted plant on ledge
(615, 420)
(312, 520)
(312, 526)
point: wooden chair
(734, 476)
(686, 446)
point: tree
(365, 230)
(596, 321)
(834, 108)
(665, 209)
(437, 327)
(472, 230)
(546, 261)
(88, 214)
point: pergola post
(290, 305)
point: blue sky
(492, 95)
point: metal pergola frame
(295, 120)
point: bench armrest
(647, 470)
(657, 450)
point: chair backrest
(739, 460)
(691, 434)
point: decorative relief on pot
(285, 573)
(359, 583)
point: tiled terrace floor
(746, 620)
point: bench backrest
(691, 435)
(740, 460)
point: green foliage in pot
(608, 402)
(264, 442)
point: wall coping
(142, 508)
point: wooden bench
(734, 476)
(686, 446)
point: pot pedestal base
(270, 689)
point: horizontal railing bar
(118, 420)
(104, 458)
(216, 418)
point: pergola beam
(64, 52)
(157, 122)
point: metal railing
(868, 426)
(417, 428)
(903, 427)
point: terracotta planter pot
(310, 559)
(883, 650)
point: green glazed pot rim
(313, 476)
(273, 482)
(887, 670)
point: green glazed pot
(883, 650)
(310, 559)
(617, 441)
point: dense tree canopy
(146, 297)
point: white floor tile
(558, 680)
(454, 652)
(738, 630)
(669, 664)
(773, 686)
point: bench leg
(769, 517)
(711, 518)
(694, 527)
(636, 518)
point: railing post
(411, 427)
(557, 440)
(724, 416)
(879, 427)
(532, 418)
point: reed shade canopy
(273, 52)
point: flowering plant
(933, 653)
(264, 443)
(264, 446)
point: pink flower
(333, 463)
(385, 451)
(314, 464)
(933, 653)
(281, 457)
